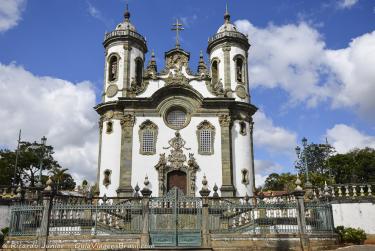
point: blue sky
(311, 69)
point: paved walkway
(358, 248)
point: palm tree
(58, 175)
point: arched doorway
(177, 179)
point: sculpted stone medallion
(111, 91)
(241, 91)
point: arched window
(138, 71)
(239, 70)
(148, 132)
(206, 136)
(112, 68)
(215, 71)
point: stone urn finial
(204, 192)
(146, 192)
(49, 184)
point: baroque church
(175, 127)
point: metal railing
(73, 215)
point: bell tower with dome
(175, 126)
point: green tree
(28, 164)
(315, 157)
(280, 182)
(62, 179)
(357, 165)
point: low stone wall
(279, 242)
(4, 213)
(355, 215)
(218, 242)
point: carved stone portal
(177, 161)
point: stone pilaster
(227, 77)
(126, 79)
(227, 189)
(127, 124)
(251, 126)
(97, 191)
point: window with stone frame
(245, 176)
(240, 71)
(243, 130)
(206, 136)
(215, 71)
(113, 67)
(148, 132)
(109, 127)
(138, 71)
(107, 177)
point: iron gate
(175, 220)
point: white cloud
(273, 138)
(294, 57)
(263, 168)
(345, 138)
(10, 13)
(347, 4)
(58, 109)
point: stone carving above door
(177, 160)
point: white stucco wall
(134, 53)
(144, 164)
(119, 49)
(356, 215)
(233, 52)
(241, 154)
(218, 53)
(110, 158)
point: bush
(351, 235)
(4, 232)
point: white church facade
(175, 126)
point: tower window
(109, 127)
(215, 71)
(239, 70)
(206, 135)
(113, 68)
(138, 71)
(148, 132)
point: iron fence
(180, 216)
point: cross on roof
(177, 27)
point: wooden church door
(177, 179)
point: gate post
(47, 206)
(205, 192)
(301, 219)
(145, 236)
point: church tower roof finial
(226, 14)
(127, 13)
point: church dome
(126, 24)
(227, 26)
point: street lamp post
(42, 145)
(303, 153)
